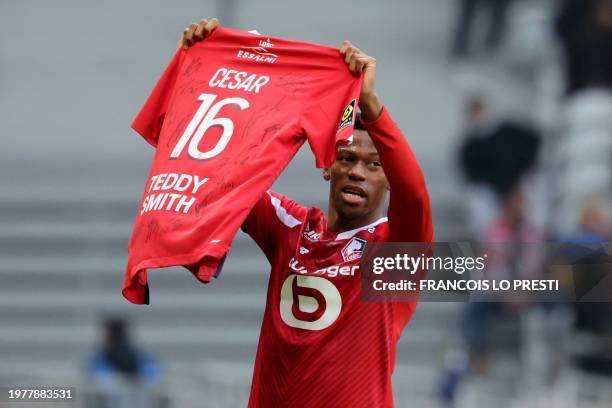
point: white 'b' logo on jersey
(307, 304)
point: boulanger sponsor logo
(353, 249)
(348, 115)
(329, 271)
(312, 314)
(258, 53)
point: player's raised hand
(359, 62)
(196, 32)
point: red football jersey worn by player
(321, 346)
(226, 118)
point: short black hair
(358, 125)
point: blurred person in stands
(481, 201)
(512, 243)
(588, 254)
(121, 374)
(585, 30)
(577, 264)
(594, 225)
(467, 15)
(582, 250)
(594, 229)
(495, 155)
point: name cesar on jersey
(238, 80)
(331, 271)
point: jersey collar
(349, 234)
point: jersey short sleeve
(330, 116)
(149, 121)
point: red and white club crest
(353, 249)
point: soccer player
(320, 344)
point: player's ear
(326, 175)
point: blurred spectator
(591, 266)
(587, 253)
(585, 30)
(122, 375)
(455, 367)
(467, 15)
(494, 157)
(496, 153)
(512, 246)
(594, 225)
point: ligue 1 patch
(353, 249)
(348, 116)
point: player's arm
(409, 208)
(196, 32)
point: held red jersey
(320, 345)
(226, 118)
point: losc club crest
(353, 249)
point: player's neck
(339, 224)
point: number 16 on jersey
(205, 118)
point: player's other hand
(359, 62)
(196, 32)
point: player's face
(357, 180)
